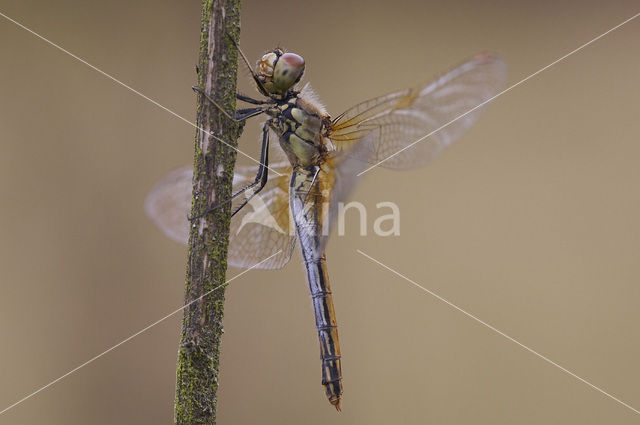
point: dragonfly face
(279, 71)
(317, 160)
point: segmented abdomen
(307, 208)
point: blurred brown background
(530, 222)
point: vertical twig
(199, 352)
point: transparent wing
(169, 204)
(263, 226)
(258, 231)
(385, 125)
(337, 178)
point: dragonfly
(294, 195)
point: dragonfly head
(279, 71)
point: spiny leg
(241, 114)
(263, 171)
(258, 184)
(248, 99)
(261, 87)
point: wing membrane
(169, 204)
(258, 231)
(385, 125)
(337, 178)
(263, 227)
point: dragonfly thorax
(278, 72)
(300, 128)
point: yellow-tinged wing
(258, 230)
(336, 179)
(263, 227)
(382, 127)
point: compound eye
(288, 71)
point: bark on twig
(199, 352)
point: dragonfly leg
(263, 171)
(241, 114)
(248, 99)
(256, 186)
(246, 62)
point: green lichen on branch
(199, 352)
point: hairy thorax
(302, 127)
